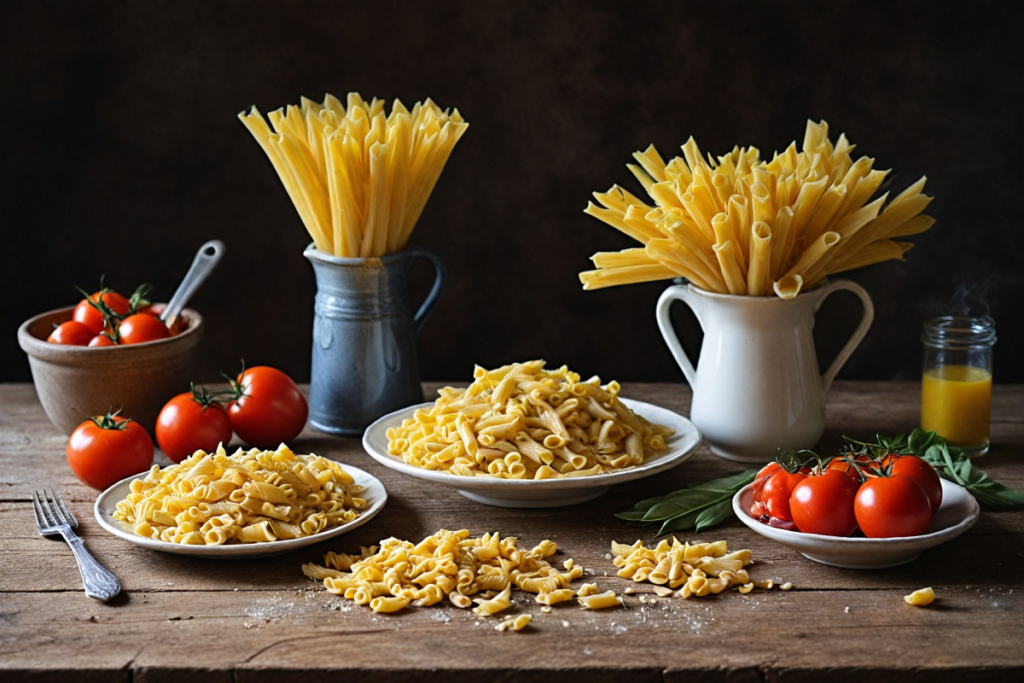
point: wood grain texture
(271, 623)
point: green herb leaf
(951, 463)
(683, 523)
(714, 515)
(699, 506)
(663, 511)
(725, 484)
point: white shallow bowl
(544, 493)
(373, 492)
(958, 513)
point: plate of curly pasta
(248, 504)
(525, 436)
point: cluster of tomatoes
(885, 495)
(263, 406)
(106, 318)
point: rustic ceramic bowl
(76, 382)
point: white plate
(543, 493)
(373, 492)
(958, 513)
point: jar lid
(958, 331)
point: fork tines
(58, 514)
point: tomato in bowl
(956, 514)
(74, 382)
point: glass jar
(956, 380)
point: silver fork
(53, 517)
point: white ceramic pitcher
(757, 388)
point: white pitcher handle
(661, 312)
(862, 329)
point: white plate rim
(819, 541)
(690, 440)
(374, 492)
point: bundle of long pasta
(448, 564)
(358, 177)
(521, 421)
(742, 225)
(248, 497)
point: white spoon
(206, 260)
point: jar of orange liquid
(956, 384)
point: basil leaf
(663, 511)
(714, 515)
(682, 523)
(727, 484)
(648, 503)
(710, 502)
(695, 497)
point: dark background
(122, 154)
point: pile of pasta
(448, 564)
(248, 497)
(521, 421)
(743, 225)
(695, 570)
(358, 177)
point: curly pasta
(696, 570)
(249, 497)
(521, 421)
(449, 564)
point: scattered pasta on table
(449, 564)
(688, 570)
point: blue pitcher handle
(440, 281)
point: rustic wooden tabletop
(262, 620)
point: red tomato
(766, 472)
(71, 333)
(153, 309)
(156, 310)
(104, 450)
(889, 507)
(823, 504)
(139, 328)
(89, 315)
(862, 466)
(268, 409)
(102, 340)
(190, 422)
(776, 494)
(921, 472)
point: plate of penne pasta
(522, 436)
(249, 504)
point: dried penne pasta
(398, 574)
(811, 205)
(522, 421)
(695, 570)
(600, 600)
(517, 623)
(249, 497)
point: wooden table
(262, 620)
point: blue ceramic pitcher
(364, 338)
